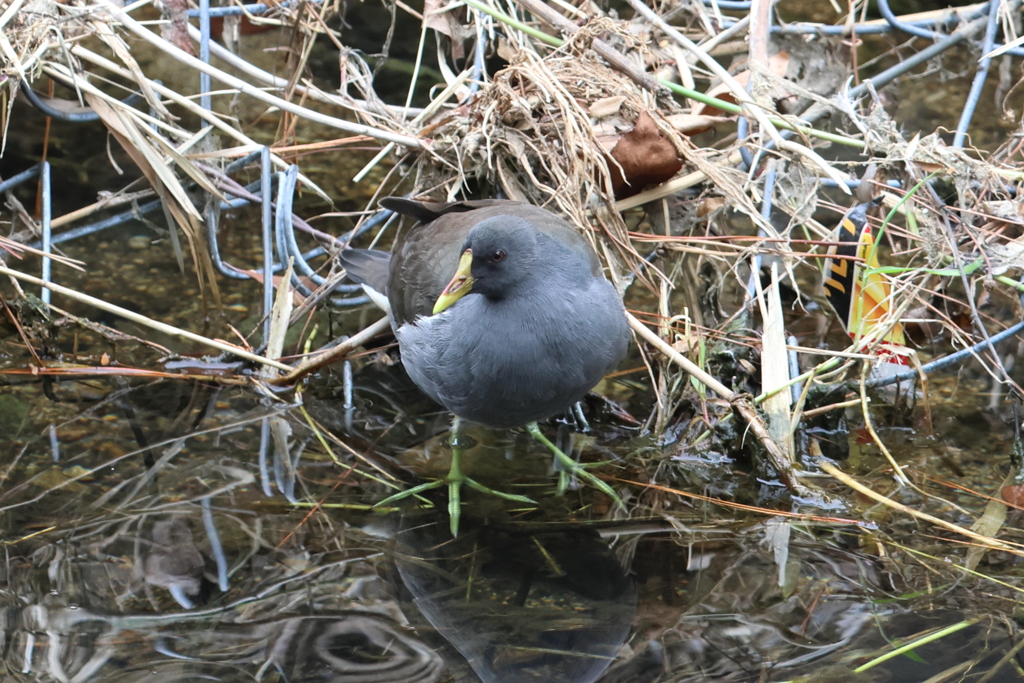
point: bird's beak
(460, 285)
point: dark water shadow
(519, 603)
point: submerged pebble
(139, 242)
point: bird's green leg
(573, 466)
(454, 480)
(455, 477)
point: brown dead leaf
(645, 157)
(748, 366)
(437, 18)
(683, 344)
(505, 49)
(123, 51)
(709, 205)
(778, 63)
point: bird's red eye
(497, 256)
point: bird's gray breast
(506, 365)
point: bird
(502, 315)
(173, 562)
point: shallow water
(191, 531)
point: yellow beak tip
(459, 286)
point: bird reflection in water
(173, 562)
(520, 604)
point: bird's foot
(573, 467)
(454, 482)
(455, 499)
(415, 490)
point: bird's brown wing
(425, 258)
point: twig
(946, 361)
(711, 43)
(930, 15)
(740, 402)
(9, 13)
(816, 159)
(109, 202)
(869, 425)
(511, 22)
(757, 38)
(714, 101)
(148, 322)
(987, 541)
(335, 353)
